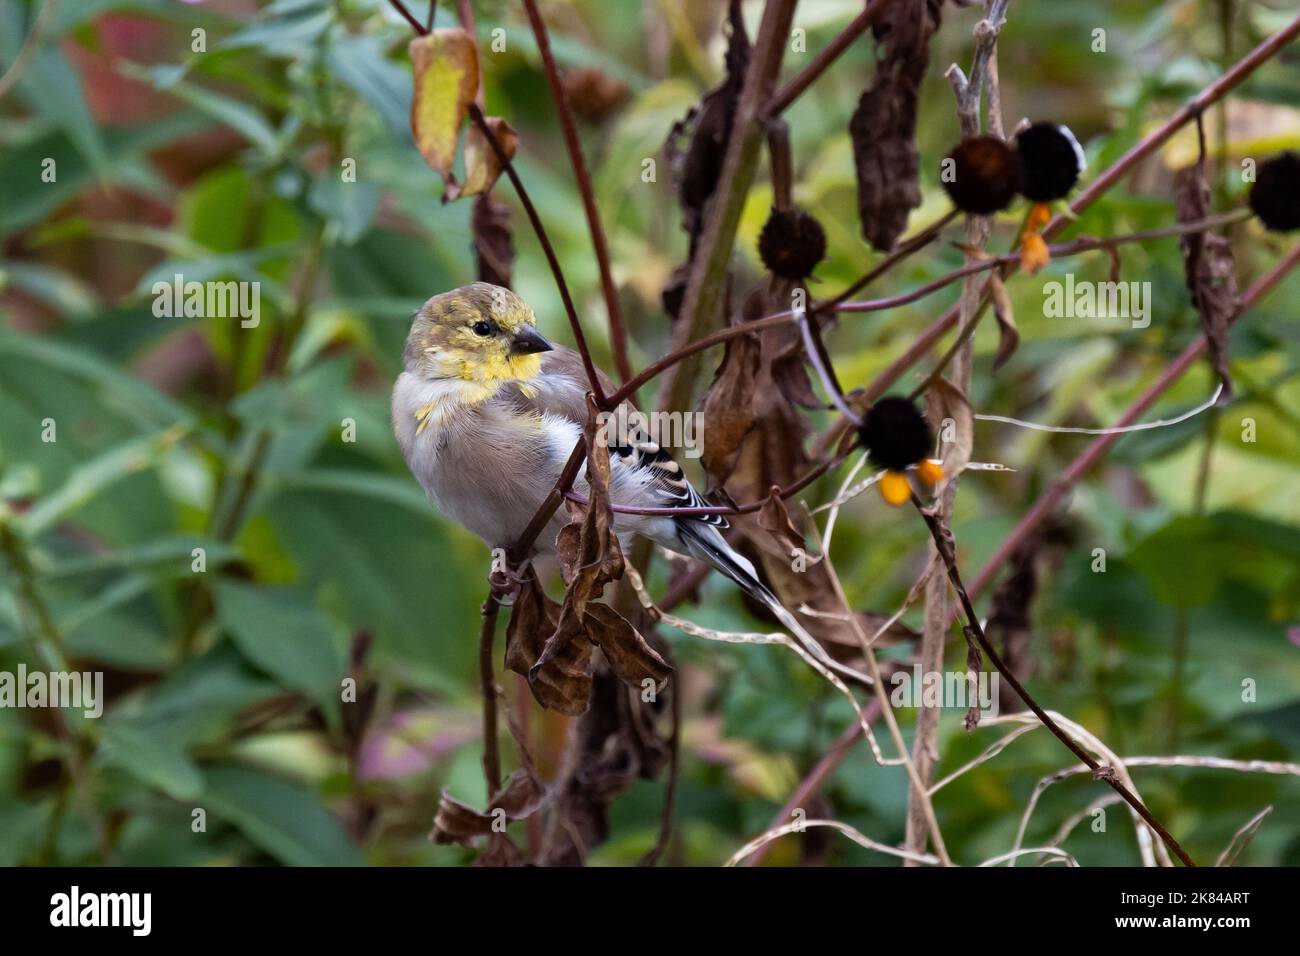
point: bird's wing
(644, 474)
(652, 475)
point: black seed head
(792, 243)
(895, 433)
(984, 177)
(1275, 197)
(1052, 160)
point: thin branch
(913, 244)
(853, 834)
(416, 25)
(798, 84)
(1096, 189)
(487, 634)
(943, 542)
(476, 114)
(1097, 449)
(923, 345)
(579, 338)
(706, 286)
(617, 333)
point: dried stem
(487, 680)
(944, 543)
(800, 82)
(925, 748)
(819, 774)
(617, 333)
(1098, 448)
(706, 287)
(1098, 187)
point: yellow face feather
(470, 335)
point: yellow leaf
(445, 66)
(481, 164)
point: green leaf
(287, 637)
(360, 63)
(240, 117)
(176, 552)
(92, 478)
(348, 208)
(1180, 562)
(141, 751)
(284, 819)
(63, 292)
(139, 401)
(51, 88)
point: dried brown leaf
(457, 822)
(883, 127)
(954, 421)
(589, 559)
(1210, 270)
(561, 678)
(630, 657)
(1008, 334)
(706, 130)
(533, 619)
(482, 167)
(727, 406)
(775, 519)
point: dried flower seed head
(1275, 197)
(792, 243)
(895, 433)
(984, 176)
(1052, 160)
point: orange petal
(894, 488)
(1033, 253)
(930, 471)
(1040, 214)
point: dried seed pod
(792, 243)
(895, 433)
(1052, 160)
(1275, 197)
(984, 176)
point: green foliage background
(224, 687)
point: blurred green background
(175, 434)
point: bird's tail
(705, 542)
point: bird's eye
(484, 328)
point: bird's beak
(527, 341)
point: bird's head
(480, 334)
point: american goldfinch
(487, 412)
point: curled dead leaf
(705, 131)
(950, 413)
(589, 559)
(774, 518)
(533, 619)
(727, 406)
(1008, 334)
(482, 166)
(1210, 270)
(445, 67)
(457, 822)
(630, 657)
(883, 127)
